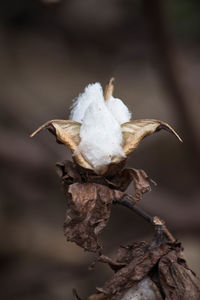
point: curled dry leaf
(89, 200)
(141, 182)
(70, 172)
(89, 207)
(177, 280)
(122, 179)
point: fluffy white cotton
(92, 93)
(100, 132)
(119, 110)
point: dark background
(49, 51)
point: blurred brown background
(49, 51)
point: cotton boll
(119, 110)
(143, 290)
(91, 93)
(100, 131)
(100, 134)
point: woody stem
(155, 221)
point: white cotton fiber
(91, 92)
(100, 132)
(142, 290)
(119, 110)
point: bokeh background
(49, 51)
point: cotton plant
(101, 136)
(100, 131)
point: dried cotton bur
(99, 132)
(102, 136)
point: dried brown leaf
(89, 207)
(177, 280)
(139, 259)
(134, 132)
(89, 200)
(71, 172)
(141, 182)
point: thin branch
(131, 205)
(155, 221)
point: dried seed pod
(134, 132)
(95, 153)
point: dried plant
(144, 270)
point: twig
(155, 221)
(131, 205)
